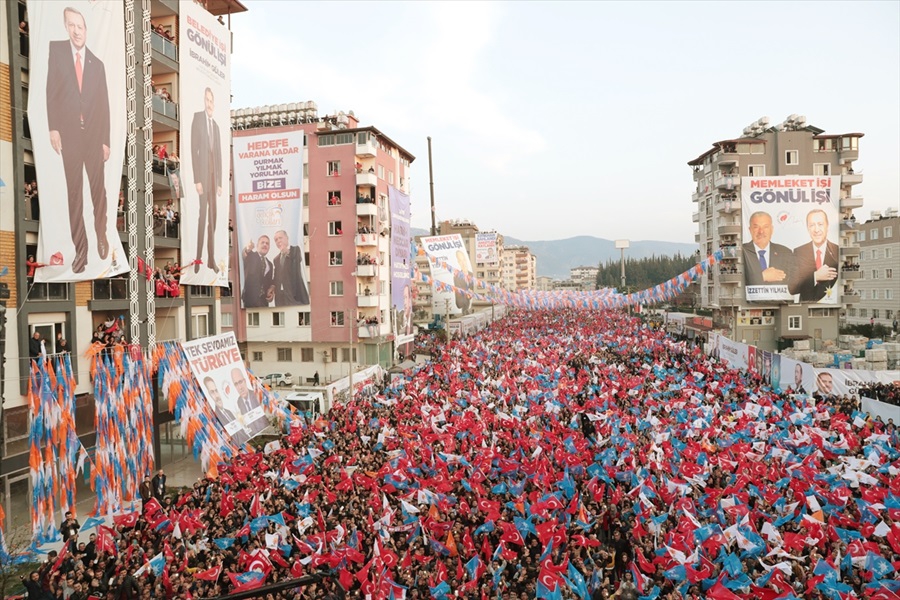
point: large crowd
(555, 454)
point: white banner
(205, 92)
(217, 366)
(791, 230)
(486, 251)
(76, 111)
(268, 192)
(452, 250)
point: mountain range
(556, 257)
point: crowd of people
(32, 205)
(166, 220)
(166, 281)
(110, 333)
(554, 454)
(882, 392)
(160, 30)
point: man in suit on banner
(815, 263)
(290, 285)
(206, 162)
(246, 403)
(765, 263)
(259, 274)
(78, 119)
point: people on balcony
(365, 200)
(365, 259)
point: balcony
(849, 155)
(164, 107)
(695, 197)
(49, 291)
(697, 237)
(368, 270)
(849, 298)
(851, 202)
(731, 277)
(729, 252)
(851, 178)
(374, 330)
(847, 251)
(847, 225)
(727, 159)
(366, 209)
(364, 301)
(729, 229)
(366, 178)
(368, 149)
(729, 301)
(728, 206)
(695, 217)
(164, 46)
(851, 275)
(727, 181)
(366, 239)
(163, 228)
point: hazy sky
(551, 120)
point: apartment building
(794, 180)
(72, 311)
(519, 268)
(585, 277)
(349, 319)
(878, 277)
(483, 247)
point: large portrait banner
(268, 193)
(205, 134)
(452, 250)
(790, 235)
(486, 250)
(76, 112)
(401, 264)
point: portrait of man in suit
(765, 262)
(290, 282)
(259, 274)
(245, 403)
(463, 302)
(79, 125)
(206, 162)
(816, 262)
(224, 415)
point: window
(756, 170)
(362, 137)
(305, 198)
(227, 319)
(873, 235)
(277, 319)
(201, 291)
(849, 143)
(306, 170)
(888, 314)
(303, 319)
(17, 428)
(380, 172)
(791, 157)
(284, 355)
(888, 273)
(345, 354)
(863, 313)
(334, 354)
(336, 258)
(307, 355)
(851, 312)
(333, 168)
(889, 253)
(334, 198)
(336, 288)
(391, 177)
(256, 356)
(888, 294)
(252, 319)
(794, 322)
(862, 294)
(200, 325)
(888, 232)
(875, 313)
(874, 253)
(875, 294)
(822, 169)
(334, 228)
(862, 255)
(874, 273)
(337, 318)
(861, 236)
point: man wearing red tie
(78, 118)
(815, 263)
(206, 162)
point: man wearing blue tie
(765, 263)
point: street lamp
(622, 245)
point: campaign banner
(217, 366)
(452, 250)
(205, 134)
(76, 111)
(268, 194)
(797, 376)
(847, 382)
(486, 251)
(790, 235)
(401, 262)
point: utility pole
(350, 353)
(431, 187)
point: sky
(552, 120)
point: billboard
(486, 251)
(401, 262)
(452, 249)
(76, 112)
(790, 233)
(205, 134)
(268, 194)
(217, 366)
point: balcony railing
(164, 107)
(49, 291)
(110, 289)
(165, 47)
(164, 228)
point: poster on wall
(486, 251)
(401, 264)
(790, 235)
(205, 134)
(451, 249)
(77, 116)
(268, 194)
(216, 364)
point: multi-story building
(878, 282)
(585, 277)
(72, 311)
(519, 268)
(792, 148)
(468, 230)
(349, 320)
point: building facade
(585, 277)
(878, 283)
(519, 268)
(349, 322)
(74, 311)
(793, 149)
